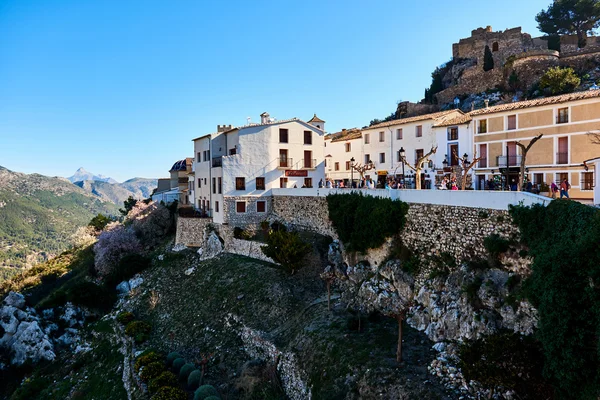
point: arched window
(495, 46)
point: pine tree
(488, 59)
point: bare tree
(419, 166)
(594, 137)
(361, 169)
(466, 166)
(524, 150)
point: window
(482, 126)
(220, 185)
(563, 116)
(367, 138)
(307, 137)
(283, 135)
(308, 161)
(418, 154)
(283, 182)
(382, 136)
(419, 130)
(483, 155)
(216, 206)
(381, 157)
(199, 157)
(206, 155)
(453, 133)
(367, 158)
(199, 183)
(336, 166)
(233, 151)
(587, 181)
(240, 183)
(308, 182)
(560, 176)
(214, 185)
(495, 46)
(205, 181)
(260, 183)
(562, 157)
(538, 179)
(284, 161)
(240, 206)
(261, 206)
(347, 165)
(348, 147)
(511, 122)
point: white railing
(465, 198)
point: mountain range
(83, 175)
(38, 216)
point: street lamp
(445, 163)
(402, 154)
(466, 160)
(352, 173)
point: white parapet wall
(495, 200)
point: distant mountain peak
(83, 175)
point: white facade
(251, 160)
(340, 149)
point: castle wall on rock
(307, 213)
(473, 80)
(503, 44)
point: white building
(340, 149)
(448, 130)
(235, 168)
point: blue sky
(121, 87)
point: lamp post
(402, 154)
(352, 173)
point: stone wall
(510, 42)
(251, 216)
(307, 213)
(473, 80)
(190, 231)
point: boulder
(16, 300)
(30, 343)
(136, 281)
(123, 288)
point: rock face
(22, 336)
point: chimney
(264, 118)
(224, 128)
(487, 103)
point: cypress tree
(488, 59)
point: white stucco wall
(338, 153)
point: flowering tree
(150, 222)
(115, 242)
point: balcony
(217, 162)
(309, 164)
(562, 158)
(513, 161)
(285, 162)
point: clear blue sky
(121, 87)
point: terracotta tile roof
(537, 102)
(344, 134)
(315, 119)
(456, 120)
(409, 120)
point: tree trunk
(399, 350)
(418, 178)
(522, 172)
(581, 39)
(329, 295)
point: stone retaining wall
(190, 231)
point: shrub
(205, 391)
(506, 359)
(150, 222)
(470, 290)
(125, 317)
(364, 222)
(194, 379)
(152, 370)
(240, 233)
(495, 245)
(113, 244)
(139, 330)
(145, 359)
(165, 379)
(287, 249)
(169, 393)
(127, 267)
(88, 294)
(185, 371)
(177, 364)
(172, 357)
(559, 80)
(99, 222)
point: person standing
(553, 190)
(321, 183)
(564, 188)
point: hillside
(138, 188)
(38, 214)
(82, 175)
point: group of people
(449, 184)
(360, 184)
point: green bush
(100, 221)
(127, 267)
(165, 379)
(563, 242)
(125, 317)
(146, 358)
(240, 233)
(172, 357)
(194, 379)
(559, 80)
(185, 371)
(177, 364)
(151, 371)
(495, 245)
(139, 330)
(364, 222)
(506, 359)
(205, 391)
(169, 393)
(287, 249)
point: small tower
(264, 118)
(318, 122)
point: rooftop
(182, 165)
(418, 118)
(344, 134)
(536, 102)
(315, 119)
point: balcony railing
(307, 163)
(217, 162)
(562, 119)
(285, 162)
(562, 158)
(587, 185)
(508, 161)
